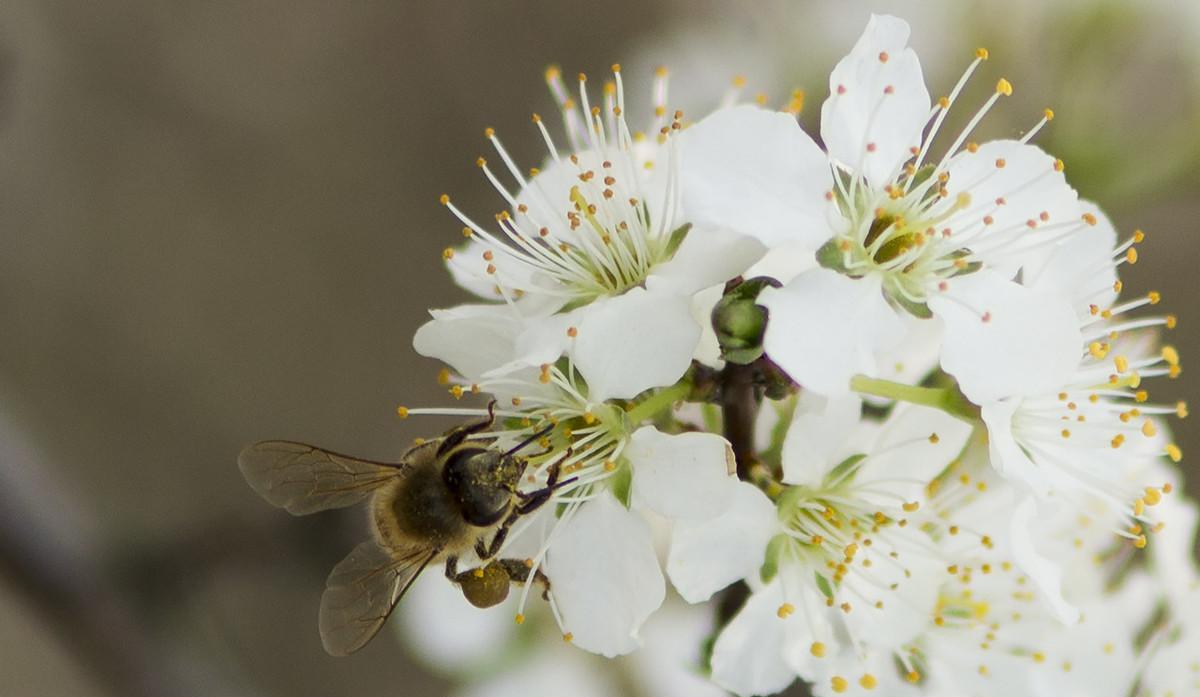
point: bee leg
(534, 500)
(452, 567)
(491, 549)
(456, 436)
(518, 571)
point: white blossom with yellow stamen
(898, 232)
(591, 538)
(591, 256)
(840, 558)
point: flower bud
(740, 322)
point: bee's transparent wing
(362, 591)
(305, 479)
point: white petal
(708, 349)
(824, 327)
(605, 576)
(1030, 343)
(444, 630)
(1026, 189)
(472, 339)
(707, 555)
(866, 126)
(757, 172)
(628, 344)
(1080, 267)
(1045, 573)
(669, 664)
(707, 256)
(543, 675)
(1010, 459)
(819, 437)
(681, 476)
(747, 658)
(906, 455)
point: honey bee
(444, 497)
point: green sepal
(916, 309)
(823, 585)
(846, 468)
(831, 256)
(622, 483)
(675, 239)
(770, 566)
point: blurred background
(219, 223)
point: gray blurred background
(219, 223)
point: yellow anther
(913, 676)
(1004, 87)
(444, 199)
(1141, 396)
(1049, 114)
(1170, 355)
(785, 611)
(519, 619)
(448, 253)
(1140, 542)
(616, 67)
(739, 81)
(817, 649)
(443, 376)
(1121, 363)
(911, 507)
(1097, 349)
(1153, 496)
(1131, 255)
(934, 439)
(1172, 321)
(1154, 297)
(981, 53)
(568, 638)
(1059, 165)
(402, 412)
(1181, 410)
(944, 102)
(1148, 429)
(1138, 236)
(868, 681)
(1118, 440)
(1139, 507)
(839, 684)
(1039, 657)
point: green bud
(740, 322)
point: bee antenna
(531, 439)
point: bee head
(483, 482)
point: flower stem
(945, 399)
(739, 410)
(663, 399)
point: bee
(444, 497)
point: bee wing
(362, 591)
(305, 479)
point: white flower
(846, 561)
(591, 257)
(591, 539)
(899, 237)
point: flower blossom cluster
(882, 393)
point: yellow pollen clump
(1004, 87)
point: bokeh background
(219, 223)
